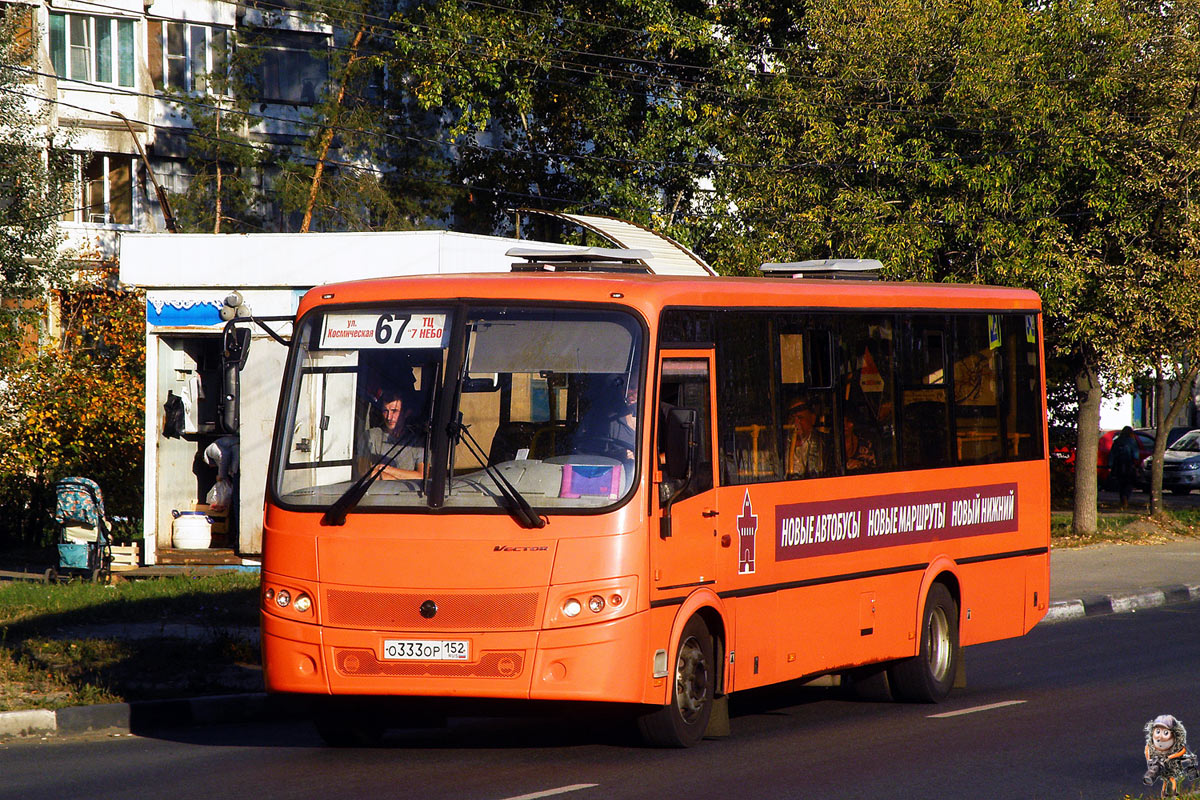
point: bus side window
(924, 406)
(977, 390)
(866, 390)
(747, 398)
(685, 384)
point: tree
(35, 174)
(351, 169)
(569, 106)
(987, 141)
(222, 160)
(76, 408)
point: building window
(21, 18)
(192, 55)
(92, 49)
(290, 70)
(103, 189)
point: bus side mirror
(235, 351)
(235, 346)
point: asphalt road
(1057, 714)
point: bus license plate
(426, 650)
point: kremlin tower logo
(747, 529)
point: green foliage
(35, 171)
(75, 409)
(36, 608)
(223, 163)
(572, 106)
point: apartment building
(118, 75)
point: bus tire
(928, 676)
(684, 719)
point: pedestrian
(1122, 463)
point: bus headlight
(293, 601)
(594, 601)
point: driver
(405, 444)
(609, 425)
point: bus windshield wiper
(336, 513)
(517, 504)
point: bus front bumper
(602, 662)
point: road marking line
(575, 787)
(962, 711)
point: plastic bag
(220, 495)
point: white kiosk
(187, 278)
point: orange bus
(648, 491)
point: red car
(1065, 452)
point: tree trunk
(217, 204)
(1164, 428)
(1087, 438)
(327, 135)
(1160, 437)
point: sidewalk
(1099, 579)
(1108, 578)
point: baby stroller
(84, 536)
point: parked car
(1181, 465)
(1145, 443)
(1062, 450)
(1172, 435)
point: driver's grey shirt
(409, 452)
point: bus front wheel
(928, 676)
(683, 721)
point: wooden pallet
(125, 557)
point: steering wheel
(604, 446)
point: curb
(1063, 610)
(142, 715)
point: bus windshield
(455, 405)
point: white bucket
(192, 530)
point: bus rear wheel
(683, 721)
(928, 676)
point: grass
(82, 643)
(1126, 527)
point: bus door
(684, 552)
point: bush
(75, 409)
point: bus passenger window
(976, 390)
(866, 388)
(747, 398)
(809, 450)
(924, 405)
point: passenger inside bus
(808, 448)
(860, 448)
(397, 445)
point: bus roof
(651, 292)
